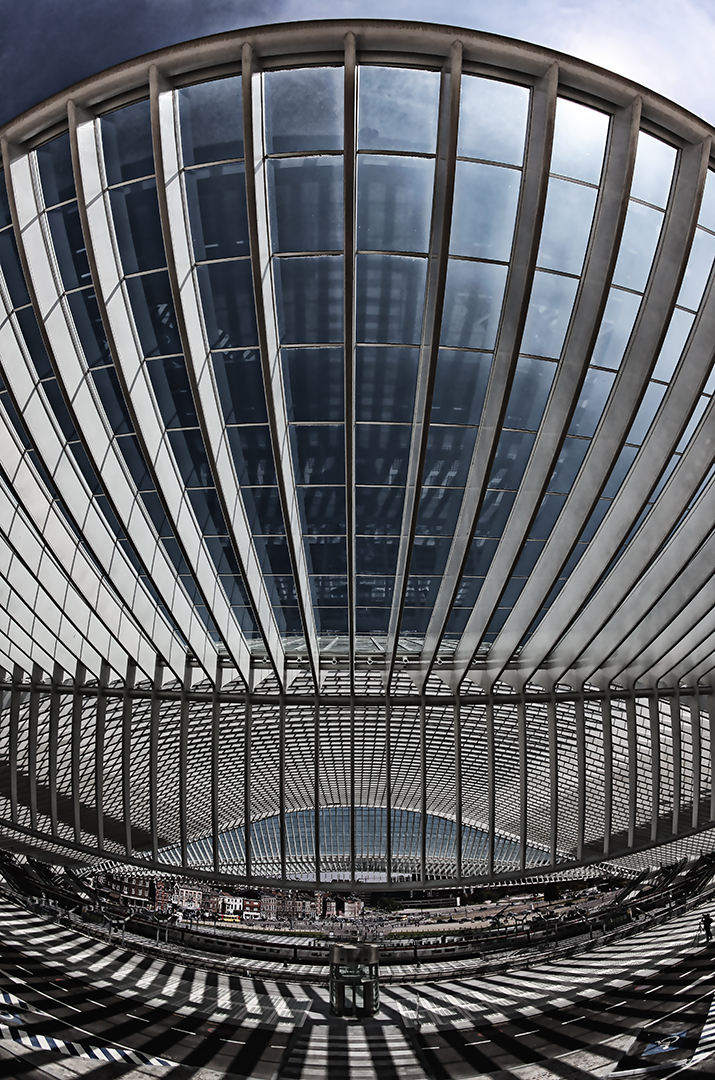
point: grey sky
(667, 45)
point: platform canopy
(356, 461)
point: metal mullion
(458, 784)
(32, 740)
(677, 738)
(571, 371)
(282, 783)
(247, 733)
(34, 247)
(657, 449)
(491, 785)
(352, 791)
(52, 747)
(183, 765)
(580, 724)
(388, 791)
(266, 321)
(654, 717)
(192, 332)
(514, 309)
(349, 231)
(664, 282)
(607, 729)
(423, 793)
(75, 750)
(523, 778)
(632, 768)
(316, 786)
(126, 767)
(694, 706)
(141, 405)
(437, 262)
(13, 737)
(215, 767)
(552, 721)
(154, 717)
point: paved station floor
(72, 1006)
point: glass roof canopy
(339, 350)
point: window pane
(326, 554)
(153, 308)
(191, 457)
(654, 170)
(579, 141)
(592, 401)
(698, 270)
(385, 381)
(567, 226)
(512, 454)
(69, 246)
(378, 511)
(390, 298)
(253, 455)
(314, 384)
(306, 203)
(173, 392)
(529, 393)
(638, 244)
(323, 510)
(492, 121)
(381, 452)
(376, 555)
(126, 139)
(107, 384)
(644, 417)
(438, 511)
(318, 453)
(616, 325)
(394, 203)
(672, 347)
(550, 307)
(211, 121)
(135, 210)
(227, 295)
(240, 385)
(12, 270)
(485, 201)
(494, 513)
(472, 304)
(87, 319)
(217, 208)
(545, 519)
(449, 453)
(304, 110)
(33, 339)
(460, 386)
(54, 160)
(397, 109)
(309, 298)
(429, 554)
(263, 507)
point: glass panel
(616, 325)
(385, 381)
(394, 203)
(460, 386)
(528, 558)
(229, 311)
(376, 555)
(492, 121)
(644, 417)
(495, 512)
(126, 140)
(529, 393)
(208, 512)
(323, 510)
(5, 216)
(485, 202)
(390, 298)
(69, 246)
(107, 383)
(326, 554)
(54, 161)
(135, 210)
(306, 203)
(329, 590)
(512, 454)
(211, 116)
(131, 452)
(693, 423)
(698, 270)
(304, 110)
(381, 452)
(550, 307)
(429, 554)
(592, 401)
(318, 453)
(87, 319)
(309, 299)
(173, 392)
(481, 553)
(397, 109)
(240, 385)
(546, 518)
(314, 384)
(374, 592)
(653, 171)
(618, 472)
(706, 217)
(378, 510)
(263, 508)
(216, 199)
(438, 511)
(472, 304)
(449, 452)
(422, 591)
(567, 226)
(570, 459)
(154, 315)
(253, 454)
(33, 339)
(638, 244)
(191, 457)
(579, 141)
(12, 270)
(672, 347)
(597, 515)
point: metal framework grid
(349, 535)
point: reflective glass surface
(306, 200)
(640, 239)
(314, 384)
(217, 206)
(385, 381)
(229, 311)
(390, 298)
(154, 314)
(492, 121)
(394, 203)
(135, 210)
(472, 304)
(552, 298)
(567, 226)
(211, 121)
(617, 323)
(304, 110)
(309, 299)
(397, 109)
(485, 202)
(54, 160)
(579, 141)
(460, 386)
(655, 161)
(126, 141)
